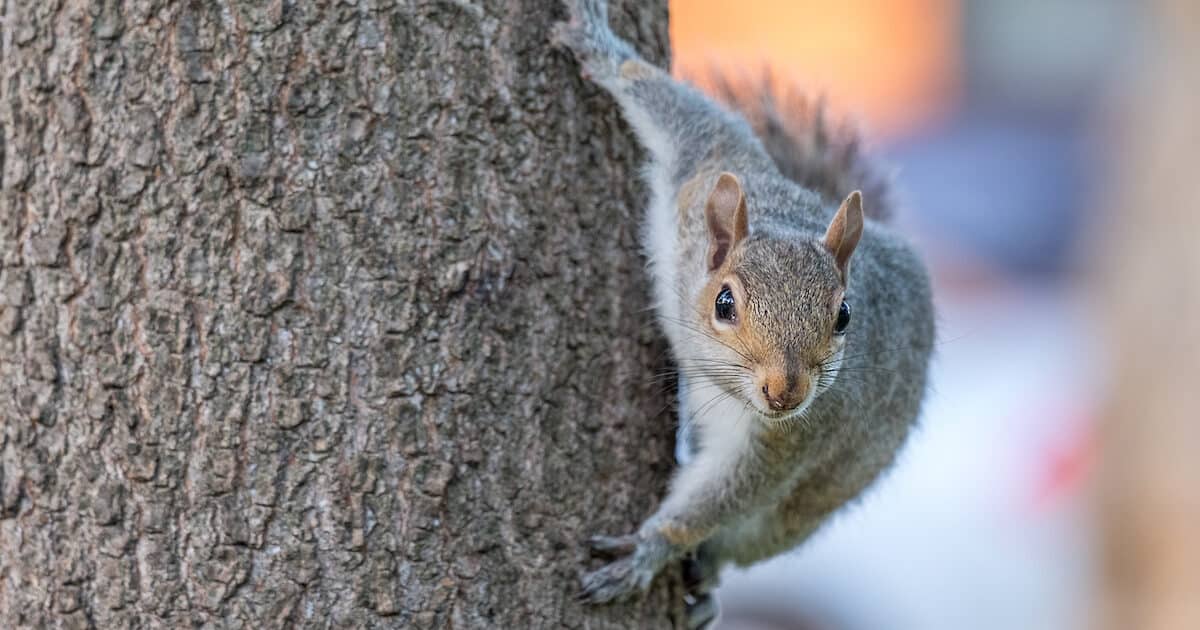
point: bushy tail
(825, 157)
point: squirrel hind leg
(701, 574)
(700, 578)
(702, 611)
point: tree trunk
(1149, 301)
(326, 314)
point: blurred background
(1022, 136)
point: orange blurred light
(893, 64)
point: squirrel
(789, 408)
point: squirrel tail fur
(827, 158)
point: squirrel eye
(725, 305)
(843, 319)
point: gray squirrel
(790, 407)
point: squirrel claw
(560, 35)
(614, 581)
(569, 36)
(612, 546)
(701, 612)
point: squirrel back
(825, 157)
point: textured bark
(317, 313)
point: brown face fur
(787, 296)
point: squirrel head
(776, 306)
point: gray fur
(792, 475)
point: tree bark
(321, 314)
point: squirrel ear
(844, 231)
(725, 214)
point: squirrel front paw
(642, 560)
(587, 35)
(615, 581)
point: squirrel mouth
(773, 415)
(776, 416)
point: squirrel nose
(781, 397)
